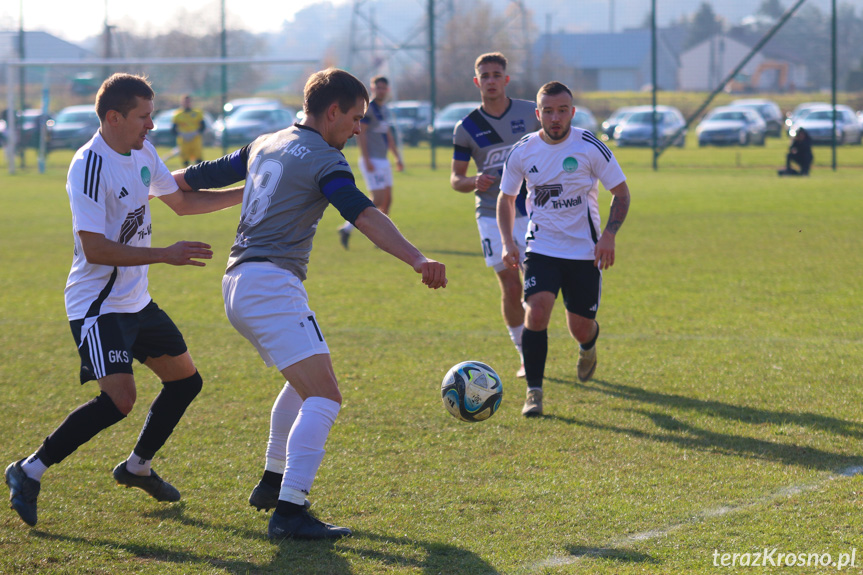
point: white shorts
(492, 247)
(269, 306)
(381, 178)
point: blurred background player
(112, 317)
(188, 128)
(375, 140)
(562, 166)
(486, 135)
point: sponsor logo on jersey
(145, 176)
(570, 203)
(130, 226)
(533, 170)
(518, 126)
(495, 158)
(123, 193)
(570, 165)
(544, 193)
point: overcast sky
(81, 19)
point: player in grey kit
(291, 177)
(487, 134)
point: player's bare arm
(604, 252)
(461, 182)
(505, 223)
(101, 251)
(382, 231)
(400, 166)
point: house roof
(606, 50)
(39, 45)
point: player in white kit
(566, 252)
(113, 319)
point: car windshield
(738, 116)
(619, 115)
(646, 118)
(409, 113)
(820, 115)
(248, 114)
(454, 113)
(75, 117)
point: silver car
(818, 122)
(728, 125)
(637, 130)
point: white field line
(628, 540)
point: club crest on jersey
(570, 165)
(145, 176)
(518, 127)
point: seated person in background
(800, 153)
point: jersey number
(486, 248)
(261, 184)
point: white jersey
(562, 186)
(109, 195)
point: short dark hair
(552, 89)
(325, 87)
(119, 93)
(377, 79)
(490, 58)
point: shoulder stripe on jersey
(480, 130)
(589, 137)
(92, 175)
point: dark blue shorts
(108, 343)
(579, 281)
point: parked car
(637, 130)
(234, 105)
(249, 122)
(616, 117)
(73, 127)
(447, 118)
(729, 125)
(584, 119)
(412, 119)
(818, 122)
(799, 111)
(161, 134)
(769, 110)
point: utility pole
(22, 91)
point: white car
(818, 122)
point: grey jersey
(376, 125)
(292, 177)
(488, 140)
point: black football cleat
(154, 485)
(264, 497)
(23, 492)
(303, 526)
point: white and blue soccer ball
(471, 391)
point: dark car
(28, 127)
(447, 118)
(618, 116)
(412, 119)
(73, 127)
(249, 122)
(769, 111)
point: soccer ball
(471, 391)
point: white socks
(306, 447)
(515, 336)
(282, 417)
(34, 468)
(138, 465)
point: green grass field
(724, 416)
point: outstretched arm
(100, 250)
(383, 232)
(604, 251)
